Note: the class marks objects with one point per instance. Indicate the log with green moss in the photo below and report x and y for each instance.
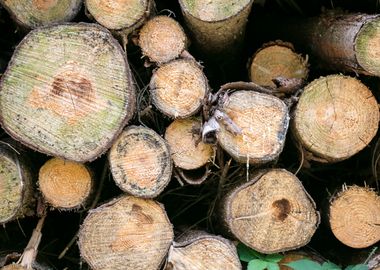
(67, 91)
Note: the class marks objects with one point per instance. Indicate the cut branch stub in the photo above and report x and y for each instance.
(16, 185)
(67, 91)
(36, 13)
(126, 233)
(162, 39)
(217, 26)
(271, 213)
(187, 149)
(263, 120)
(140, 162)
(277, 59)
(354, 217)
(178, 88)
(203, 251)
(336, 117)
(65, 184)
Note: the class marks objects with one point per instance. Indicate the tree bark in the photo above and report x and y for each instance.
(140, 162)
(67, 91)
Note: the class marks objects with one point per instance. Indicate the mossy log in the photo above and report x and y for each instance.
(271, 213)
(16, 184)
(354, 216)
(64, 184)
(126, 233)
(178, 88)
(216, 26)
(274, 60)
(67, 91)
(200, 250)
(140, 162)
(335, 118)
(36, 13)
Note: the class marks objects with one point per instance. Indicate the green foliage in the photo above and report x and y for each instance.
(306, 264)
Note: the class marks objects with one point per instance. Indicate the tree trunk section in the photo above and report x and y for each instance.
(65, 185)
(335, 118)
(178, 88)
(354, 216)
(126, 233)
(140, 162)
(271, 213)
(67, 91)
(36, 13)
(203, 251)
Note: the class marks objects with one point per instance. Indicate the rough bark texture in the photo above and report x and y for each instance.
(162, 39)
(216, 26)
(140, 162)
(16, 185)
(271, 213)
(65, 184)
(354, 217)
(36, 13)
(67, 91)
(335, 118)
(178, 88)
(200, 250)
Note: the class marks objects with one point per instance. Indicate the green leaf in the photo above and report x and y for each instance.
(330, 266)
(247, 254)
(274, 258)
(357, 267)
(272, 266)
(304, 264)
(257, 265)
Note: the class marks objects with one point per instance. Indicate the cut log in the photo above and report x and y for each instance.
(16, 185)
(203, 251)
(354, 216)
(67, 91)
(178, 88)
(126, 233)
(216, 26)
(271, 213)
(36, 13)
(65, 185)
(263, 120)
(140, 162)
(274, 60)
(335, 118)
(162, 39)
(187, 149)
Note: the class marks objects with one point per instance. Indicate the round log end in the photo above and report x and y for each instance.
(126, 233)
(277, 60)
(271, 213)
(140, 162)
(178, 88)
(336, 117)
(354, 217)
(65, 184)
(187, 149)
(162, 39)
(14, 266)
(263, 120)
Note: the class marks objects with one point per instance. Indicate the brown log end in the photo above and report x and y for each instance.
(271, 213)
(14, 266)
(140, 162)
(336, 117)
(354, 216)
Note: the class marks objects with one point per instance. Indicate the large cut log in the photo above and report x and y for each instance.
(67, 91)
(126, 233)
(271, 213)
(140, 162)
(64, 184)
(200, 250)
(36, 13)
(16, 184)
(354, 216)
(335, 118)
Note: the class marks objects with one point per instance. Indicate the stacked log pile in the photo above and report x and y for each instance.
(133, 137)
